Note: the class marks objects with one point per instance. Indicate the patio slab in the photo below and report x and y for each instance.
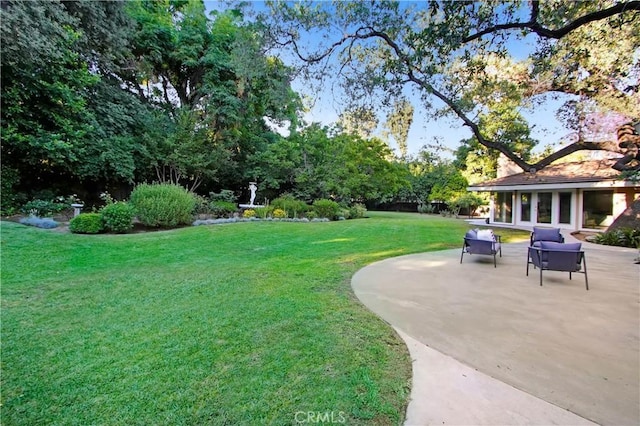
(574, 349)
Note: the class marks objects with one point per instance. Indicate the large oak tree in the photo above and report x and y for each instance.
(462, 55)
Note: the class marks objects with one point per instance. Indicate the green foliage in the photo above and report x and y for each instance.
(222, 208)
(118, 217)
(343, 213)
(399, 123)
(357, 211)
(292, 206)
(343, 166)
(163, 205)
(263, 212)
(86, 223)
(43, 208)
(326, 208)
(201, 205)
(224, 195)
(461, 54)
(10, 198)
(623, 237)
(468, 201)
(426, 208)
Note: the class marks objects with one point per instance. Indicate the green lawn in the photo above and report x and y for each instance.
(235, 324)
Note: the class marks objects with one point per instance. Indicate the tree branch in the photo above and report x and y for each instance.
(535, 26)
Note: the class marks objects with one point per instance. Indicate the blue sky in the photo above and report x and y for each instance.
(425, 130)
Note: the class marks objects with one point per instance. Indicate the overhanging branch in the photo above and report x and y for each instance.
(537, 28)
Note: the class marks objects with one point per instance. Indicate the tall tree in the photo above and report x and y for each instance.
(459, 53)
(359, 121)
(213, 75)
(65, 118)
(399, 122)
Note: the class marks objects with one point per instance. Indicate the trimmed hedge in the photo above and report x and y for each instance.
(86, 223)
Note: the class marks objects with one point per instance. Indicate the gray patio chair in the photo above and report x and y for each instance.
(550, 256)
(473, 245)
(546, 234)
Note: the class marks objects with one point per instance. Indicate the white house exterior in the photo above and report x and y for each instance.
(580, 196)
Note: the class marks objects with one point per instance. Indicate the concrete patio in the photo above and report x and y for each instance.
(491, 346)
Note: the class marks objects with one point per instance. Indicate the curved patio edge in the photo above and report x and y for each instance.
(490, 346)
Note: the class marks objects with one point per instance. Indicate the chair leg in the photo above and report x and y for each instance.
(540, 277)
(569, 274)
(494, 260)
(461, 254)
(586, 280)
(528, 266)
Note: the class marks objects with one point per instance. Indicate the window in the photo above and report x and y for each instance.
(597, 209)
(503, 207)
(525, 207)
(565, 207)
(544, 207)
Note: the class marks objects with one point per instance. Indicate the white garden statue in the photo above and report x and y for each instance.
(253, 188)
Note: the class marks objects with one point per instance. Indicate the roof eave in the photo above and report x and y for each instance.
(603, 184)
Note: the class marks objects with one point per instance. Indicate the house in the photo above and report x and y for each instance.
(579, 196)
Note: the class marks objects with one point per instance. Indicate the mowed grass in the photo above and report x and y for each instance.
(235, 324)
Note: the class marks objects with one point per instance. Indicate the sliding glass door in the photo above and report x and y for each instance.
(544, 207)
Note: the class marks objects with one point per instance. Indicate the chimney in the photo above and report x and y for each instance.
(506, 167)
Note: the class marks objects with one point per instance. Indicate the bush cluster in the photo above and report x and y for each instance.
(622, 237)
(163, 205)
(86, 223)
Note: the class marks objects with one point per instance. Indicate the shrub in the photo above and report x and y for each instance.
(263, 212)
(201, 205)
(326, 208)
(42, 208)
(86, 223)
(623, 237)
(311, 215)
(225, 195)
(163, 205)
(39, 222)
(249, 213)
(292, 206)
(117, 217)
(357, 211)
(344, 214)
(426, 208)
(222, 208)
(279, 213)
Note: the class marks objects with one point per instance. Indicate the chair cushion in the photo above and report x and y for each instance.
(549, 245)
(471, 233)
(486, 235)
(546, 234)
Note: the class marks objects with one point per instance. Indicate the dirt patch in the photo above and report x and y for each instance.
(584, 235)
